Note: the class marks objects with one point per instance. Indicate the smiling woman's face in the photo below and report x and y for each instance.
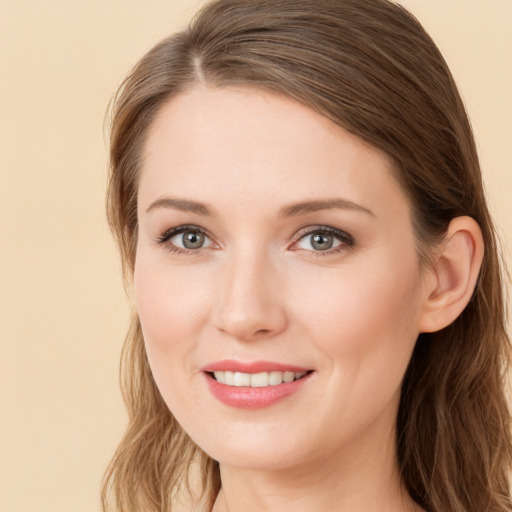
(276, 249)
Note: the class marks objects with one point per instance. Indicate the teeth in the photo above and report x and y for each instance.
(275, 378)
(259, 380)
(288, 377)
(256, 380)
(242, 379)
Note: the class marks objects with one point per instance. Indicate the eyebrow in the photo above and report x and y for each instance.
(293, 210)
(185, 205)
(306, 207)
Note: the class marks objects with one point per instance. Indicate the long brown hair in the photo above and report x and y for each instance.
(369, 66)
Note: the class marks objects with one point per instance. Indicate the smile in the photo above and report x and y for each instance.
(254, 385)
(256, 380)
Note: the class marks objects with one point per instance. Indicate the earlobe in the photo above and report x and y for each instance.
(453, 278)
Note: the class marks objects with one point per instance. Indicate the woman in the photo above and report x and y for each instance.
(319, 319)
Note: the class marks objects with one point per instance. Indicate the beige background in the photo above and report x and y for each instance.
(62, 309)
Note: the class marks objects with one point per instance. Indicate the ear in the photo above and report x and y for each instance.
(452, 280)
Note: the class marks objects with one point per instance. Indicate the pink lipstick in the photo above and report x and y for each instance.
(253, 385)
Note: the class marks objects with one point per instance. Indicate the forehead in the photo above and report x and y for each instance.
(235, 143)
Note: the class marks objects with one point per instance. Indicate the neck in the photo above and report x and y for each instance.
(360, 478)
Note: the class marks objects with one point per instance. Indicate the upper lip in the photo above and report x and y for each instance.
(231, 365)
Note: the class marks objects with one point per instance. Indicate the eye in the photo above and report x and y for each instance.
(323, 239)
(185, 238)
(189, 239)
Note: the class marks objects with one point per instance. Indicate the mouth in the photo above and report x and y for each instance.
(256, 380)
(254, 385)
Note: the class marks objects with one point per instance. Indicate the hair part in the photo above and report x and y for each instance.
(370, 67)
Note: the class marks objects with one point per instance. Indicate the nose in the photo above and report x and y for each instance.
(250, 305)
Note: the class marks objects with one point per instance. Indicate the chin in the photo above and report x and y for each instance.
(255, 447)
(254, 459)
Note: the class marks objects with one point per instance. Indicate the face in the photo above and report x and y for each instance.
(276, 279)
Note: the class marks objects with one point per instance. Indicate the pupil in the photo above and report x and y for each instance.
(193, 239)
(322, 242)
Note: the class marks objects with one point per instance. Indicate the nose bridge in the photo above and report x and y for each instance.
(250, 305)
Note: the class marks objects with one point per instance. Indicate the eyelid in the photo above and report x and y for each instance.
(164, 239)
(347, 240)
(169, 233)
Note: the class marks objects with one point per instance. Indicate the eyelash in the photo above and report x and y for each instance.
(163, 239)
(347, 241)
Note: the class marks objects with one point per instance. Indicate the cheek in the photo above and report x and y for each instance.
(364, 325)
(169, 301)
(171, 307)
(364, 318)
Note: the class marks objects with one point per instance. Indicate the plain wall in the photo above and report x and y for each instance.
(63, 313)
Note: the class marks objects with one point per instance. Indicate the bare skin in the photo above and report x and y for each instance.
(267, 233)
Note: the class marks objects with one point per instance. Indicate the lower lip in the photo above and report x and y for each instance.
(245, 397)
